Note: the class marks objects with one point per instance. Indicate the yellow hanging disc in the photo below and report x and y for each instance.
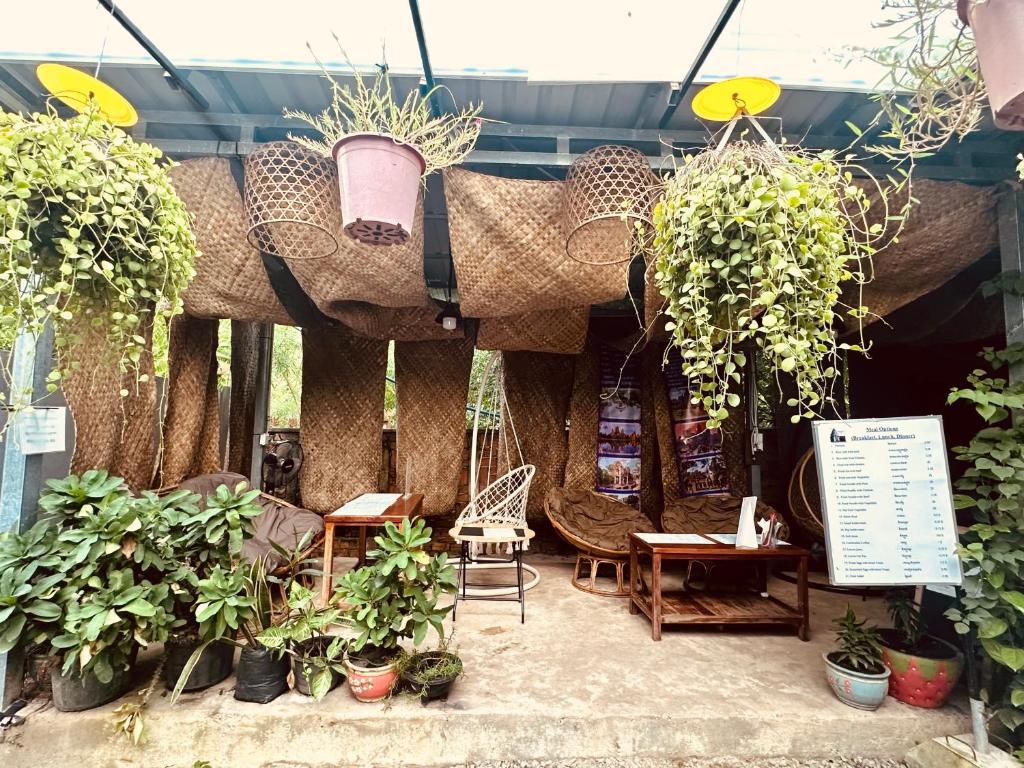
(722, 101)
(75, 88)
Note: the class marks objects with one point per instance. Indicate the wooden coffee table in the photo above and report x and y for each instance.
(701, 607)
(402, 509)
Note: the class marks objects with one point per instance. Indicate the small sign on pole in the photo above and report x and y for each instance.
(41, 430)
(887, 502)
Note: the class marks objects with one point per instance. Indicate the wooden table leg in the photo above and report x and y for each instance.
(633, 569)
(802, 601)
(361, 550)
(328, 579)
(656, 597)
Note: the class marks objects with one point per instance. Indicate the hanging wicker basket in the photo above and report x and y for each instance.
(607, 189)
(291, 201)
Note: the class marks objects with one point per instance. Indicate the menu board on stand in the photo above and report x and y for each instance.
(887, 502)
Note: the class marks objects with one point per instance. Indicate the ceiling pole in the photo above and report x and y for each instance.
(677, 93)
(421, 41)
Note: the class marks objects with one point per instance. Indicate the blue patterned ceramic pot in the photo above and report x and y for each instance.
(862, 690)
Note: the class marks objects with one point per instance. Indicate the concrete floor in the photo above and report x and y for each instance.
(580, 681)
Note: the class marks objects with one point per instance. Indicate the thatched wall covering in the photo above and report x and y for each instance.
(230, 279)
(398, 324)
(244, 353)
(342, 415)
(431, 387)
(560, 331)
(508, 244)
(192, 422)
(584, 405)
(538, 387)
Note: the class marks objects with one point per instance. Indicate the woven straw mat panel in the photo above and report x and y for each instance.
(244, 350)
(538, 387)
(584, 405)
(118, 434)
(431, 387)
(192, 423)
(561, 331)
(655, 382)
(650, 464)
(508, 243)
(230, 280)
(342, 416)
(389, 276)
(951, 227)
(400, 324)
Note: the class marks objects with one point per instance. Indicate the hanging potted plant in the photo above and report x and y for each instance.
(383, 148)
(93, 238)
(753, 244)
(854, 670)
(317, 657)
(393, 598)
(998, 27)
(79, 584)
(924, 668)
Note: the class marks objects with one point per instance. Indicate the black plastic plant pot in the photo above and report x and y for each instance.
(74, 693)
(434, 688)
(314, 646)
(262, 675)
(213, 666)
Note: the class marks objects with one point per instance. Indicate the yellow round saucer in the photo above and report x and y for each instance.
(75, 88)
(723, 100)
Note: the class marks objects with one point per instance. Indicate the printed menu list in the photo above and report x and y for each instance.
(886, 501)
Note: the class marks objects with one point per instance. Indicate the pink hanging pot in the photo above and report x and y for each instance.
(379, 180)
(998, 27)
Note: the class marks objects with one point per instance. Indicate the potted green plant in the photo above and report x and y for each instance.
(998, 27)
(854, 670)
(92, 236)
(317, 657)
(752, 243)
(924, 668)
(431, 674)
(80, 582)
(383, 148)
(393, 598)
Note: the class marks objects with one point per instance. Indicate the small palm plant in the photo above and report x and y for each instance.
(858, 646)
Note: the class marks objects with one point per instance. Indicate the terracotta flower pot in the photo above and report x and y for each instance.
(863, 690)
(922, 681)
(371, 683)
(379, 181)
(998, 27)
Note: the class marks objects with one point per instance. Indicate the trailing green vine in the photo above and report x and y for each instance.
(93, 236)
(752, 244)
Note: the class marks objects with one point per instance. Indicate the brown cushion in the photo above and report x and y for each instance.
(594, 519)
(279, 523)
(716, 513)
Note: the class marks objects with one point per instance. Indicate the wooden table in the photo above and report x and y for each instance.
(701, 607)
(402, 509)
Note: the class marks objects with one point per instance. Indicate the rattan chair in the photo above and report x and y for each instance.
(598, 527)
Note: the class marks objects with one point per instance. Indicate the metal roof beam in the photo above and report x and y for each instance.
(709, 43)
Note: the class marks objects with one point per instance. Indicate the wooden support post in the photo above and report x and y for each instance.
(262, 402)
(20, 475)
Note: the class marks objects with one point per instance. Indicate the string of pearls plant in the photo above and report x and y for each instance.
(752, 246)
(92, 237)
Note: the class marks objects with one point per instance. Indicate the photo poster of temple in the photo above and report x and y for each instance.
(699, 457)
(618, 427)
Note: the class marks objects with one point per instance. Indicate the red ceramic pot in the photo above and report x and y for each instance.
(922, 681)
(998, 27)
(371, 683)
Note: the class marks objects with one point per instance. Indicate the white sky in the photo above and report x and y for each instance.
(791, 41)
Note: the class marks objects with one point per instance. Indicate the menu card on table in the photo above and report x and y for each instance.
(368, 505)
(887, 502)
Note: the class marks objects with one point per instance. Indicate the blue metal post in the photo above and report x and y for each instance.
(21, 475)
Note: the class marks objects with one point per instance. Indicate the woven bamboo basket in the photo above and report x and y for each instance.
(607, 190)
(508, 244)
(342, 416)
(560, 331)
(431, 388)
(192, 421)
(398, 324)
(805, 498)
(538, 386)
(230, 280)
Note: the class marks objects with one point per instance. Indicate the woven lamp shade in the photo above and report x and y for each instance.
(606, 190)
(291, 201)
